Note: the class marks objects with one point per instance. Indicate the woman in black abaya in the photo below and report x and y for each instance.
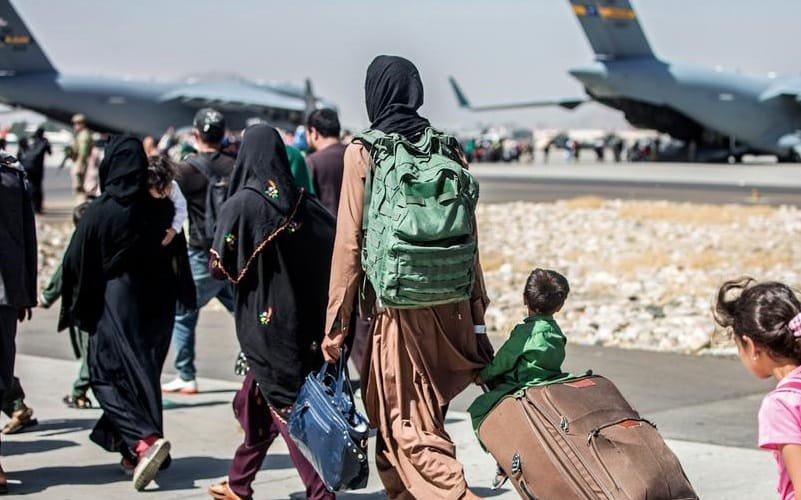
(274, 242)
(121, 285)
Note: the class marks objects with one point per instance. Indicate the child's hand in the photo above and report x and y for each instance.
(168, 237)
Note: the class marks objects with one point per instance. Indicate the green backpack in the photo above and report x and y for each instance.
(419, 242)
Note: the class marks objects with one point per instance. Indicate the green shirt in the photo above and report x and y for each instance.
(299, 170)
(532, 355)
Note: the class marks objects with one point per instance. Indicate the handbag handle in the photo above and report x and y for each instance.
(341, 384)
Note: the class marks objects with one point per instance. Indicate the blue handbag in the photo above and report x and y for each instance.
(329, 431)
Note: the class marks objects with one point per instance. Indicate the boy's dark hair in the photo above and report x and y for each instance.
(545, 291)
(160, 172)
(761, 312)
(325, 121)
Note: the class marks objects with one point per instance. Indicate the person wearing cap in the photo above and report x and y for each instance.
(81, 151)
(193, 178)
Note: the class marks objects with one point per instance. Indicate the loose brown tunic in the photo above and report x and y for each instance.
(420, 359)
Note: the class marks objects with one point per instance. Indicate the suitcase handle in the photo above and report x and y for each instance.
(595, 432)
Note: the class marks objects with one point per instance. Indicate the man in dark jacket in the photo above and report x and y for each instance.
(17, 266)
(193, 179)
(327, 162)
(33, 161)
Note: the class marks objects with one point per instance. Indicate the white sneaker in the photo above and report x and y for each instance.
(180, 386)
(149, 463)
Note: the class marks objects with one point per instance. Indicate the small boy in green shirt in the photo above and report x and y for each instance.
(534, 352)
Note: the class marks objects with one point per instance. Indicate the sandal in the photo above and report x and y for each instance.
(77, 402)
(499, 479)
(222, 491)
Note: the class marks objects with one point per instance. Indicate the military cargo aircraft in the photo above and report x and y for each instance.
(29, 80)
(706, 109)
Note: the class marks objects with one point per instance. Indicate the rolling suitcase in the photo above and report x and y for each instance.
(580, 439)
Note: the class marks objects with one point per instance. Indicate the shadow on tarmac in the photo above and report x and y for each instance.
(38, 480)
(172, 405)
(11, 448)
(57, 427)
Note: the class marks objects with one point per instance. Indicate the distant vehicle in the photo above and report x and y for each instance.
(29, 80)
(706, 109)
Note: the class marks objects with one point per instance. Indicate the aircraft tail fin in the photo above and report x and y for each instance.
(612, 28)
(19, 51)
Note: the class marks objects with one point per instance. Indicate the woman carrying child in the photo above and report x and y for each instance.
(121, 284)
(765, 321)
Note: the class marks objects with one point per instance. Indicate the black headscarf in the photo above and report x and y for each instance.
(262, 165)
(275, 244)
(262, 173)
(393, 93)
(123, 171)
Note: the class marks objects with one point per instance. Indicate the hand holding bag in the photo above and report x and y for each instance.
(329, 431)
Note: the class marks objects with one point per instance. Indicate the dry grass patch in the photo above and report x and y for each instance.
(767, 260)
(491, 260)
(585, 202)
(698, 214)
(643, 260)
(704, 259)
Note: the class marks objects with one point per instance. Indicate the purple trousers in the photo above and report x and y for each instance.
(261, 427)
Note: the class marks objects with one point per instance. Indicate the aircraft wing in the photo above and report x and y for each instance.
(461, 98)
(234, 96)
(790, 91)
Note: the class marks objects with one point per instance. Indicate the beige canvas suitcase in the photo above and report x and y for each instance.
(581, 439)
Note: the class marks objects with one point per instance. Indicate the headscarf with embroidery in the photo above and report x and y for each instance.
(262, 167)
(274, 243)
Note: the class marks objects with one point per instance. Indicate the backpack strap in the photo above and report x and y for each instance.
(202, 164)
(375, 142)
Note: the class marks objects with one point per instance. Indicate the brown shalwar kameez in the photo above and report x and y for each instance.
(419, 360)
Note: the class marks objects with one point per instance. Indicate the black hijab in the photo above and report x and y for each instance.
(393, 93)
(262, 201)
(263, 166)
(123, 171)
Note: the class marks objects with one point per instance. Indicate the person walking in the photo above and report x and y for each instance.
(33, 162)
(274, 243)
(120, 284)
(80, 153)
(204, 179)
(326, 162)
(18, 269)
(420, 358)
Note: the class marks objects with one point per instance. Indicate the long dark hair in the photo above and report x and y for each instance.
(761, 312)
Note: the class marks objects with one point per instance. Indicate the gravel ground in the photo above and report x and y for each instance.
(642, 274)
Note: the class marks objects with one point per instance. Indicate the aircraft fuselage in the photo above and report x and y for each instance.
(120, 105)
(750, 109)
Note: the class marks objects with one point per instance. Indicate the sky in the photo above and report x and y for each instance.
(498, 50)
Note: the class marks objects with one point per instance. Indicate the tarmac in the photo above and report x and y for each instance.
(705, 407)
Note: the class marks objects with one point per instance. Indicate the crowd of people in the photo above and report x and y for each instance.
(279, 240)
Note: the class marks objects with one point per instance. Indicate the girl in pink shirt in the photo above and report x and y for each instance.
(765, 321)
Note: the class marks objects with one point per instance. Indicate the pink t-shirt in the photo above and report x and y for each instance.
(779, 424)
